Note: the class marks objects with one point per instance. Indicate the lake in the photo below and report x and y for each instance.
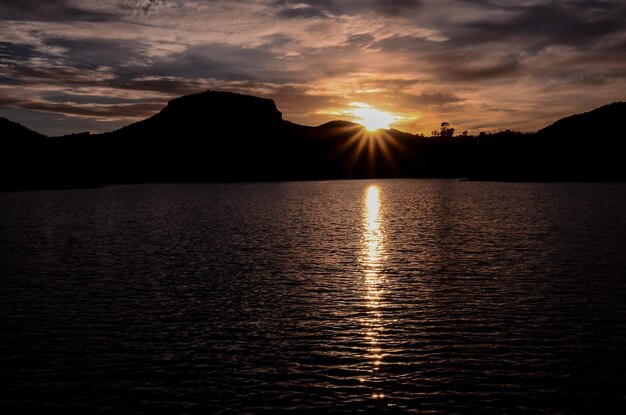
(389, 296)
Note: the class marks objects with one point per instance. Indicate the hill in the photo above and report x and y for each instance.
(603, 121)
(17, 133)
(31, 160)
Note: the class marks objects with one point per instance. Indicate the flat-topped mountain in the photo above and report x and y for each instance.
(207, 113)
(223, 136)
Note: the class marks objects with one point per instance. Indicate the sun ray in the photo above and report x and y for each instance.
(372, 150)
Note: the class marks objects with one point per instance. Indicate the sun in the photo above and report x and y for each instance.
(371, 118)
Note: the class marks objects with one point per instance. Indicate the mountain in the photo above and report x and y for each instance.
(222, 136)
(603, 121)
(201, 115)
(201, 137)
(17, 133)
(33, 161)
(585, 146)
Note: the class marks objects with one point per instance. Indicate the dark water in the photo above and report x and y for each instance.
(323, 297)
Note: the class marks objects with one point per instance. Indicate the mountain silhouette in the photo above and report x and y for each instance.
(603, 121)
(584, 146)
(202, 137)
(223, 136)
(34, 161)
(201, 115)
(17, 133)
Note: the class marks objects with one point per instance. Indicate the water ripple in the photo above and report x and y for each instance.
(400, 296)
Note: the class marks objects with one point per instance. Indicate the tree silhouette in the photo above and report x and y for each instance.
(446, 130)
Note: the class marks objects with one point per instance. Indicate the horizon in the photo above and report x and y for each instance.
(367, 124)
(69, 66)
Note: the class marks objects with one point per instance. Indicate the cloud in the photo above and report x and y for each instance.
(475, 66)
(433, 99)
(108, 111)
(50, 11)
(458, 60)
(325, 8)
(570, 23)
(398, 7)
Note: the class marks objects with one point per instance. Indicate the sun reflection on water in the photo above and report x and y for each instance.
(372, 259)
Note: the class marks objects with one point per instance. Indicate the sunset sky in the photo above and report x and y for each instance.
(85, 65)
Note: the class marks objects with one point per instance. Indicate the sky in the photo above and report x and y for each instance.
(68, 66)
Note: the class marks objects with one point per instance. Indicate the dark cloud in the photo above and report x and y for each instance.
(360, 40)
(432, 99)
(405, 44)
(148, 5)
(220, 61)
(11, 52)
(303, 13)
(36, 73)
(578, 78)
(91, 53)
(398, 7)
(232, 63)
(10, 101)
(167, 86)
(473, 66)
(491, 71)
(570, 23)
(392, 84)
(126, 111)
(90, 62)
(276, 41)
(50, 11)
(324, 8)
(83, 99)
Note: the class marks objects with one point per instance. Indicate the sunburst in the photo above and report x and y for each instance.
(373, 146)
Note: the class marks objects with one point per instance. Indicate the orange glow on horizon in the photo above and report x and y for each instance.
(371, 118)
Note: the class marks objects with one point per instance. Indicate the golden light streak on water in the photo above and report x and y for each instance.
(372, 260)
